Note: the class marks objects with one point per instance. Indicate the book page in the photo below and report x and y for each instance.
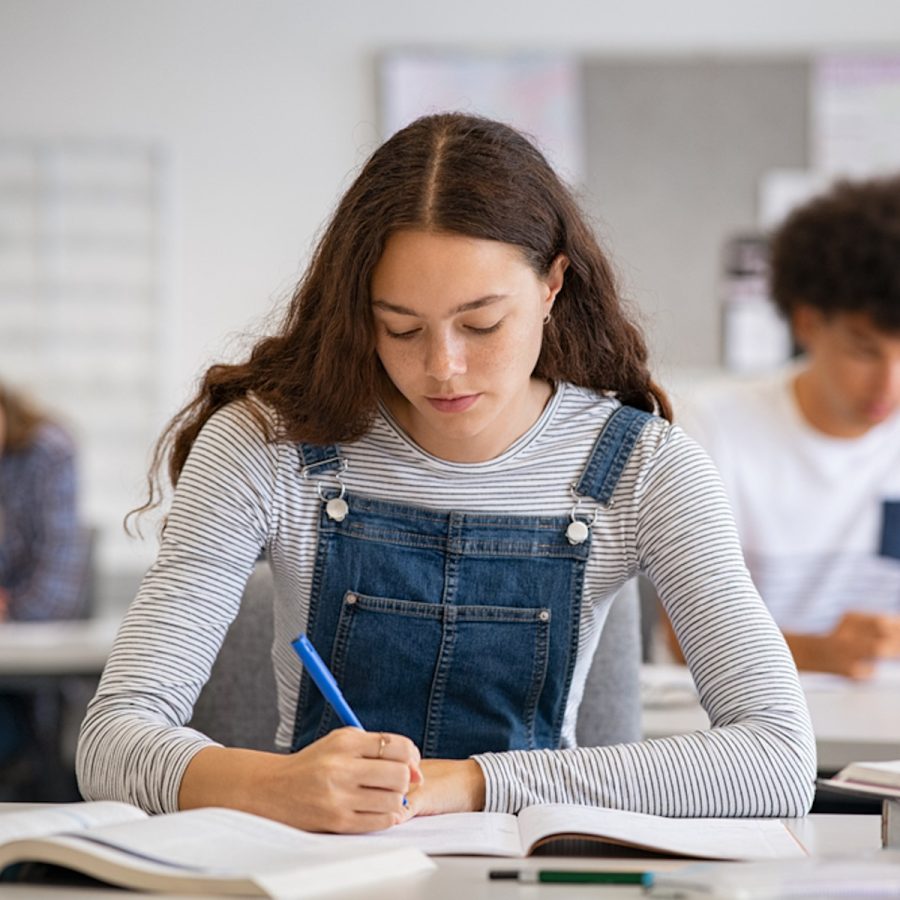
(65, 818)
(742, 839)
(857, 788)
(297, 875)
(881, 774)
(220, 841)
(463, 834)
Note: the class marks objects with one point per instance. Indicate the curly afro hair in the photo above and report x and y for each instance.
(841, 253)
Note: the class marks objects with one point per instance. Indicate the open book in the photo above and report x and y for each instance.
(201, 851)
(562, 829)
(879, 778)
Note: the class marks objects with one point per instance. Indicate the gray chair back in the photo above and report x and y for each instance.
(610, 711)
(238, 705)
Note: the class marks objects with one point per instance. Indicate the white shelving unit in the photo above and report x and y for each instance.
(85, 305)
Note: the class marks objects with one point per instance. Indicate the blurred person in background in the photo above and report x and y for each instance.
(43, 554)
(810, 456)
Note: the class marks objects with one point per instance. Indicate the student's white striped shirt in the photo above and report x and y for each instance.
(669, 518)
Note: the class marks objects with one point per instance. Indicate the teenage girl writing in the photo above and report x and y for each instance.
(456, 366)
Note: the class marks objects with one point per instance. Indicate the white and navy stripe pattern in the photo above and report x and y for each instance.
(669, 517)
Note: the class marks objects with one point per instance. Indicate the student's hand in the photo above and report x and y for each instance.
(450, 785)
(853, 646)
(349, 781)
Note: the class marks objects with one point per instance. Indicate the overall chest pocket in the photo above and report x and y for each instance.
(455, 679)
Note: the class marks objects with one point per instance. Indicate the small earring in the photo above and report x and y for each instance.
(547, 318)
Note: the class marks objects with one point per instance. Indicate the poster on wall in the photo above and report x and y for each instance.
(856, 114)
(539, 95)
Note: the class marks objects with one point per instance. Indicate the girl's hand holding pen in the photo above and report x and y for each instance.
(349, 781)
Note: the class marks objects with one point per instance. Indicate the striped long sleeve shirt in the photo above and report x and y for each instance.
(670, 519)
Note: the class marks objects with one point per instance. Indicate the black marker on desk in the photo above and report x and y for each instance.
(569, 876)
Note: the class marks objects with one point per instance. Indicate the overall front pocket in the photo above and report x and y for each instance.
(457, 680)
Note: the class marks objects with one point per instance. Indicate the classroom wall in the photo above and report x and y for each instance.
(268, 106)
(676, 150)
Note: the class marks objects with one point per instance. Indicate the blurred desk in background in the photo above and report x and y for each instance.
(36, 649)
(852, 720)
(54, 666)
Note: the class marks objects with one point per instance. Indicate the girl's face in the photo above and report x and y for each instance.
(458, 326)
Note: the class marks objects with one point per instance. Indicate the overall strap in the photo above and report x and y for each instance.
(610, 453)
(316, 459)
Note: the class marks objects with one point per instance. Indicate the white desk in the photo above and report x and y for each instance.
(467, 877)
(852, 720)
(78, 647)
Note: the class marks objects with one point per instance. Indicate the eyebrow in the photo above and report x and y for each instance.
(463, 307)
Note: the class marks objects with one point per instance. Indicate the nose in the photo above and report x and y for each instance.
(445, 356)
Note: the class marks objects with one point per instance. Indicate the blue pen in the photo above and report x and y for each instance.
(324, 681)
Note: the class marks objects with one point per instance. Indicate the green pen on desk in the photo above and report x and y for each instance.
(567, 876)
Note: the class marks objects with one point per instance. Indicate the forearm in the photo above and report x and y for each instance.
(230, 777)
(740, 770)
(449, 785)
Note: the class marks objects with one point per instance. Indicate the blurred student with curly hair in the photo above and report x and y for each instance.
(811, 456)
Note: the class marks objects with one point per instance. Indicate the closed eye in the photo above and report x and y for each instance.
(489, 330)
(402, 335)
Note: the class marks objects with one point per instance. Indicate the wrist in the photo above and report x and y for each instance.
(225, 776)
(475, 785)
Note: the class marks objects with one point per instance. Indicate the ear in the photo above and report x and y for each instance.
(554, 279)
(806, 322)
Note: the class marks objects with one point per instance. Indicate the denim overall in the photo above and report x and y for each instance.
(458, 630)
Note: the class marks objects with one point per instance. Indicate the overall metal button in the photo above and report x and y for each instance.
(577, 532)
(337, 509)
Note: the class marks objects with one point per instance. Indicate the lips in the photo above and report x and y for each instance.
(457, 404)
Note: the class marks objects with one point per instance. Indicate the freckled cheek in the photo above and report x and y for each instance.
(398, 364)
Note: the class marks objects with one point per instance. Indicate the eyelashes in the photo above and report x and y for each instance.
(401, 335)
(489, 330)
(409, 335)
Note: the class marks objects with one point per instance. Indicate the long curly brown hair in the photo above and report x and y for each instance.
(453, 173)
